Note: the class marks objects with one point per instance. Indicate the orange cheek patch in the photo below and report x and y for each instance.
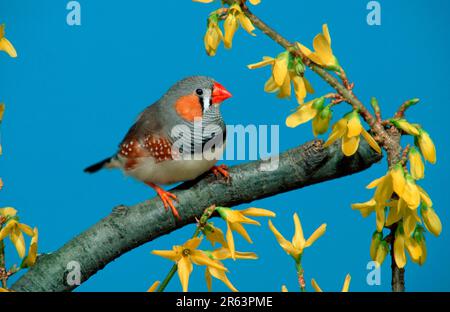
(188, 107)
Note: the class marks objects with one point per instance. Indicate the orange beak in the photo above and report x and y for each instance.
(219, 94)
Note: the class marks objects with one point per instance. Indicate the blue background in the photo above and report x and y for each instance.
(74, 91)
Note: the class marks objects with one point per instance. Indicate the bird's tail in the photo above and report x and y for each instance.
(105, 163)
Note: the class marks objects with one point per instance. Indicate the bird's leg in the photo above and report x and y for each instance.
(167, 198)
(221, 170)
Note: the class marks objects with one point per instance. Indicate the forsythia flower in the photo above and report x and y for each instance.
(213, 36)
(421, 137)
(235, 219)
(314, 110)
(377, 238)
(30, 259)
(184, 256)
(426, 146)
(153, 287)
(420, 239)
(431, 219)
(222, 254)
(409, 193)
(14, 230)
(349, 130)
(284, 71)
(416, 164)
(231, 24)
(345, 287)
(323, 54)
(405, 126)
(298, 244)
(381, 253)
(214, 235)
(401, 242)
(399, 210)
(5, 45)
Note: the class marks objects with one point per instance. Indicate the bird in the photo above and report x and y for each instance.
(161, 147)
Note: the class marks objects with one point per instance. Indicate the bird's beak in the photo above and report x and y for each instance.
(219, 94)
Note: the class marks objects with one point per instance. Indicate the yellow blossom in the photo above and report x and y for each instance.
(405, 126)
(213, 36)
(295, 247)
(404, 209)
(14, 230)
(222, 254)
(396, 181)
(30, 259)
(153, 287)
(282, 76)
(225, 253)
(399, 210)
(401, 242)
(184, 256)
(416, 164)
(420, 239)
(214, 235)
(349, 129)
(321, 122)
(314, 110)
(5, 44)
(211, 272)
(370, 206)
(426, 146)
(345, 287)
(382, 252)
(284, 288)
(377, 237)
(323, 54)
(231, 24)
(431, 220)
(235, 219)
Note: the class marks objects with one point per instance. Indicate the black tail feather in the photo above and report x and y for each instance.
(98, 166)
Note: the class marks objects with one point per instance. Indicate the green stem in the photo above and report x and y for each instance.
(300, 275)
(202, 222)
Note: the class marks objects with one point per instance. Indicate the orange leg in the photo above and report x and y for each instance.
(221, 170)
(167, 198)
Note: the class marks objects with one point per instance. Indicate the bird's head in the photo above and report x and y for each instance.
(195, 96)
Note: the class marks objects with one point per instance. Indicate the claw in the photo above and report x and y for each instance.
(221, 170)
(167, 199)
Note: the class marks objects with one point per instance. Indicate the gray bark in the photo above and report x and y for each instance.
(129, 227)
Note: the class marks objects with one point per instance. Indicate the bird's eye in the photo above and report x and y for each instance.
(199, 91)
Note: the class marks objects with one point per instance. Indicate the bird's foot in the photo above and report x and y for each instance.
(167, 199)
(221, 170)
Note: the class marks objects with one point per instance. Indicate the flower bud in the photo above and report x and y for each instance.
(431, 220)
(377, 237)
(382, 252)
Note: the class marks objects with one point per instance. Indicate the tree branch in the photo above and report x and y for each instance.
(129, 227)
